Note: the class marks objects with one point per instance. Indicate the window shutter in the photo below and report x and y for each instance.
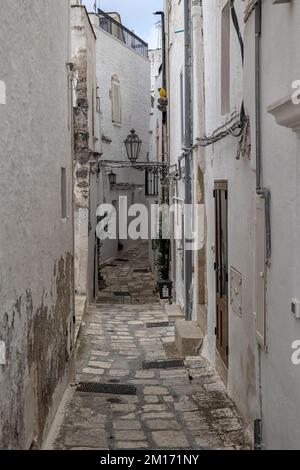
(260, 271)
(116, 102)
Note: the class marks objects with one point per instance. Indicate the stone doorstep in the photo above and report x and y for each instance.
(188, 338)
(173, 312)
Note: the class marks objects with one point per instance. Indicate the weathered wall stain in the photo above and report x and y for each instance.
(46, 345)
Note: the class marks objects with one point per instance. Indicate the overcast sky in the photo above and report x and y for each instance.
(136, 15)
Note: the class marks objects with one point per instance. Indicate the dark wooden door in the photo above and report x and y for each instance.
(221, 268)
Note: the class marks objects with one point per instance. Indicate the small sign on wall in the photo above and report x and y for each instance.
(2, 92)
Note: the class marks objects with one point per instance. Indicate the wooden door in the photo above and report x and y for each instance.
(221, 268)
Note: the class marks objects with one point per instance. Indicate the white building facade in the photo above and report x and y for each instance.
(123, 76)
(245, 279)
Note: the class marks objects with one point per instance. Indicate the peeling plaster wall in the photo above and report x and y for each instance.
(36, 244)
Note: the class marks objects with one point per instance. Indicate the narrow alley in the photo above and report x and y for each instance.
(133, 391)
(150, 228)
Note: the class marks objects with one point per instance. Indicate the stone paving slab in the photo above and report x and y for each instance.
(180, 408)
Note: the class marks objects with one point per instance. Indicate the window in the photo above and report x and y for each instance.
(93, 112)
(2, 92)
(182, 110)
(98, 102)
(63, 193)
(225, 59)
(116, 100)
(151, 183)
(158, 153)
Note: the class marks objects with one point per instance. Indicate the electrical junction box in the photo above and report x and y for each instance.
(236, 285)
(295, 308)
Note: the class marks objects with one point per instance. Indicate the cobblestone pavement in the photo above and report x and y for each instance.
(185, 407)
(129, 274)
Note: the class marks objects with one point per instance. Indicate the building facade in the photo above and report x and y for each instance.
(230, 103)
(123, 76)
(87, 144)
(36, 233)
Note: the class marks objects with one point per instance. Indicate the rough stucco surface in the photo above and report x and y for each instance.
(86, 142)
(36, 245)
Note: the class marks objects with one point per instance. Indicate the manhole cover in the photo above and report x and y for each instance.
(113, 389)
(159, 324)
(122, 294)
(141, 270)
(163, 364)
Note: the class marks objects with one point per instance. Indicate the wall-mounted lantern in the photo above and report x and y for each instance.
(133, 146)
(112, 178)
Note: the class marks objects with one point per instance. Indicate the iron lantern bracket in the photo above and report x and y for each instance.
(157, 168)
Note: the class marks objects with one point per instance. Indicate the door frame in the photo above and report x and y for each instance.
(221, 298)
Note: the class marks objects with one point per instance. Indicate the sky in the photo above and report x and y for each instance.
(137, 15)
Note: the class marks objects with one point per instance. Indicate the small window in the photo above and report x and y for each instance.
(63, 193)
(2, 92)
(225, 60)
(116, 100)
(93, 112)
(151, 183)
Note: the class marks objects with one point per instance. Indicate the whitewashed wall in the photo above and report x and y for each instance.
(175, 44)
(280, 173)
(221, 164)
(36, 244)
(133, 71)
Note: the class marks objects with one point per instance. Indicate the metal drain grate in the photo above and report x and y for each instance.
(163, 364)
(122, 294)
(159, 324)
(113, 389)
(114, 400)
(141, 270)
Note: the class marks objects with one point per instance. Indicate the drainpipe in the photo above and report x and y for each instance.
(164, 145)
(164, 68)
(262, 192)
(188, 145)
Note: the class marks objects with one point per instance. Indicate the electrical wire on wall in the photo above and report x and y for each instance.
(236, 123)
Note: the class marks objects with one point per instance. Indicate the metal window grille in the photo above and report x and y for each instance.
(151, 183)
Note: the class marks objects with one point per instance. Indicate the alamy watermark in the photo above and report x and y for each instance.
(296, 354)
(158, 221)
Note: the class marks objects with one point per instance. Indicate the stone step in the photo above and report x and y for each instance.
(174, 312)
(188, 338)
